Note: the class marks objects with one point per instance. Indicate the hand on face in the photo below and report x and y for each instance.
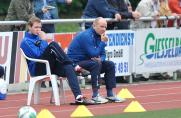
(42, 35)
(104, 37)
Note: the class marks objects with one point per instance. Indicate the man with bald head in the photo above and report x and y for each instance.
(87, 50)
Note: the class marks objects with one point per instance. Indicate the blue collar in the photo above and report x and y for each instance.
(95, 33)
(32, 36)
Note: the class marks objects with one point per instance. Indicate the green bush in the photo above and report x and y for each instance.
(4, 7)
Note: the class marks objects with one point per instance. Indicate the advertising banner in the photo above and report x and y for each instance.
(158, 50)
(6, 39)
(119, 49)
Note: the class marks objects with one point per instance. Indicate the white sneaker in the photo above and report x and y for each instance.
(116, 99)
(81, 100)
(99, 99)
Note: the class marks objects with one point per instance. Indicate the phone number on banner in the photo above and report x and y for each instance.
(121, 68)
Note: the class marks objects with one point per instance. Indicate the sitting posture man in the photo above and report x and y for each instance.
(88, 51)
(34, 45)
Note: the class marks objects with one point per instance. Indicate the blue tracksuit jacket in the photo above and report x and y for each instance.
(98, 8)
(28, 45)
(86, 45)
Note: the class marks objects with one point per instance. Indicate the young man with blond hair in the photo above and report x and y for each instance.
(35, 45)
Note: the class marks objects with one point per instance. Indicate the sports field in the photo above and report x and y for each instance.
(144, 100)
(171, 113)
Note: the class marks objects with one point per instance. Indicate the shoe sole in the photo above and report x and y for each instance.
(116, 101)
(100, 102)
(79, 103)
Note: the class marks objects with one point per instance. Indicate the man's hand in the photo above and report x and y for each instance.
(68, 1)
(104, 38)
(118, 17)
(42, 35)
(44, 9)
(136, 14)
(157, 15)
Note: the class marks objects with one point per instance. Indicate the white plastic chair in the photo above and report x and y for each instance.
(35, 83)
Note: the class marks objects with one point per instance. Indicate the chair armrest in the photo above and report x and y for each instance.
(37, 60)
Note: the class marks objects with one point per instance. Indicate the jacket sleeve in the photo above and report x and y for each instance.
(38, 5)
(123, 10)
(61, 1)
(21, 7)
(33, 50)
(146, 9)
(88, 45)
(103, 9)
(103, 55)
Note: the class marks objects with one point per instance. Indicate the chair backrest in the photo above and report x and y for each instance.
(34, 82)
(37, 60)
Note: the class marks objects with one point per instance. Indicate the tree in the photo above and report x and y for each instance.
(4, 4)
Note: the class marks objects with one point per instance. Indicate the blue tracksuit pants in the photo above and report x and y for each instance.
(95, 68)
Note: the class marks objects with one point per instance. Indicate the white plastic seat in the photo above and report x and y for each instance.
(35, 83)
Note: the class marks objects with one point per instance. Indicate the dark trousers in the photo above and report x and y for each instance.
(95, 68)
(1, 71)
(60, 65)
(119, 25)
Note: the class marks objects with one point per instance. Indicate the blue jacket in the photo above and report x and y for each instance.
(31, 49)
(86, 45)
(122, 7)
(38, 5)
(98, 8)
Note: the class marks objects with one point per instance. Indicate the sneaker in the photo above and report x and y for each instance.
(80, 100)
(115, 99)
(99, 99)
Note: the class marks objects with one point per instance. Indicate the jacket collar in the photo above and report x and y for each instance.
(32, 36)
(95, 33)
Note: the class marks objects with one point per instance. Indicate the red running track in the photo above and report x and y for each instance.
(152, 96)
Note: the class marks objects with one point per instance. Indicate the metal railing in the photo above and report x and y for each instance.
(83, 21)
(87, 20)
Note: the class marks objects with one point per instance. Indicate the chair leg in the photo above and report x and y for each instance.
(51, 98)
(30, 91)
(82, 81)
(55, 89)
(62, 92)
(37, 92)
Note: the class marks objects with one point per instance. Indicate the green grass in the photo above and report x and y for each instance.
(67, 27)
(172, 113)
